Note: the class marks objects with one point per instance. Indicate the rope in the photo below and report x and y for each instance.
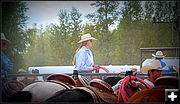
(83, 81)
(122, 93)
(103, 68)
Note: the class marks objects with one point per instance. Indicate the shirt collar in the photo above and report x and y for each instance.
(85, 48)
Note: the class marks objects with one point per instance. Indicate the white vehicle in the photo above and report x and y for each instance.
(69, 69)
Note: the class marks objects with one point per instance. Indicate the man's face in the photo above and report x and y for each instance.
(3, 44)
(156, 74)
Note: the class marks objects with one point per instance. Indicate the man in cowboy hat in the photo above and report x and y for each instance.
(153, 70)
(6, 64)
(159, 56)
(21, 78)
(83, 59)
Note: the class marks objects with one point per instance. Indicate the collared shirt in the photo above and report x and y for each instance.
(163, 64)
(84, 59)
(6, 65)
(149, 82)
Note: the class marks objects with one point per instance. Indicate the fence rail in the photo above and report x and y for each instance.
(140, 75)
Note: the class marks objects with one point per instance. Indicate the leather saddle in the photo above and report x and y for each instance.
(100, 91)
(62, 78)
(10, 87)
(103, 90)
(168, 82)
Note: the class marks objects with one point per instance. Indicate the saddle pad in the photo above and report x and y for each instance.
(41, 91)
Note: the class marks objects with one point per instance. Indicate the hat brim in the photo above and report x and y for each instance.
(91, 38)
(145, 69)
(6, 40)
(157, 56)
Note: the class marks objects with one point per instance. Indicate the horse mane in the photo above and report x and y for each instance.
(112, 80)
(20, 96)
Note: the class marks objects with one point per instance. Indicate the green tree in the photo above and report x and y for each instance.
(106, 15)
(64, 37)
(13, 22)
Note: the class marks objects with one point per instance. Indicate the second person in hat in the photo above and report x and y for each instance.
(83, 59)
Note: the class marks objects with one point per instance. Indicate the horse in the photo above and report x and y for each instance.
(112, 80)
(101, 92)
(98, 91)
(155, 95)
(41, 91)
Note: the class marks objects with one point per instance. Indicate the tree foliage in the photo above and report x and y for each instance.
(13, 22)
(57, 44)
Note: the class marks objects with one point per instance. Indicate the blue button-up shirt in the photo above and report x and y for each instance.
(163, 64)
(84, 59)
(6, 66)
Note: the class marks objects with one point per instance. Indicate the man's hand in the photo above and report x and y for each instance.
(96, 67)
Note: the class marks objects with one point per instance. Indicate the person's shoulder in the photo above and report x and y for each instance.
(82, 50)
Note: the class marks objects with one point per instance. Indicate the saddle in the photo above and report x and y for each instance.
(168, 82)
(100, 91)
(103, 91)
(63, 79)
(89, 90)
(148, 95)
(10, 87)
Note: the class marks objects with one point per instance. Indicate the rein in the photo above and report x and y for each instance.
(103, 68)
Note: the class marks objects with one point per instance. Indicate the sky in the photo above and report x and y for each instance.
(46, 12)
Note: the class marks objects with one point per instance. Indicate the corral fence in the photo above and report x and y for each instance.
(99, 75)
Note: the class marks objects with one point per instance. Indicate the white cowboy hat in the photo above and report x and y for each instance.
(158, 54)
(86, 37)
(152, 65)
(21, 70)
(4, 38)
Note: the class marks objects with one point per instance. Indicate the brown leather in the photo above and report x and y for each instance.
(167, 82)
(91, 92)
(67, 86)
(12, 86)
(102, 85)
(148, 95)
(103, 90)
(62, 78)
